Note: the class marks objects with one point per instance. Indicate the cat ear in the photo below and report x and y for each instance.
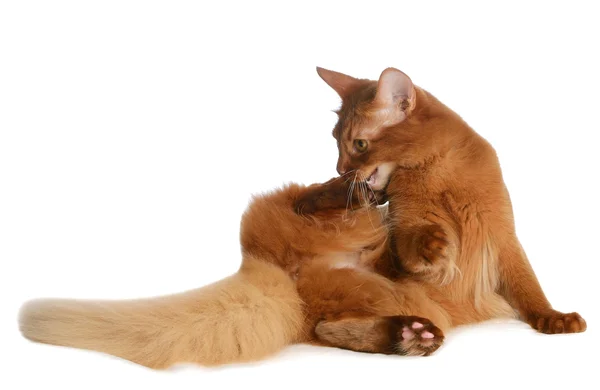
(394, 86)
(343, 84)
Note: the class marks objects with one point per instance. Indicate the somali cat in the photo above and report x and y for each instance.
(451, 219)
(303, 278)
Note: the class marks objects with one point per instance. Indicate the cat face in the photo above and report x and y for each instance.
(369, 134)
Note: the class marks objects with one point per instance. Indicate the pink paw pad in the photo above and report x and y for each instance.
(407, 334)
(417, 325)
(427, 335)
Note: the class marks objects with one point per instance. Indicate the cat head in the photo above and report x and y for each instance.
(380, 124)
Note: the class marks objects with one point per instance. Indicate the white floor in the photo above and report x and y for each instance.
(490, 356)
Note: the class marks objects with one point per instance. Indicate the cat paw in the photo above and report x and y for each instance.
(332, 194)
(417, 336)
(306, 204)
(433, 244)
(337, 193)
(556, 322)
(430, 254)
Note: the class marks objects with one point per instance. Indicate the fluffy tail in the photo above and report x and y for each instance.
(244, 317)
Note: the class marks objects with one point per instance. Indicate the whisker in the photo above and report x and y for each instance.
(347, 174)
(348, 197)
(367, 204)
(350, 193)
(363, 192)
(366, 189)
(373, 192)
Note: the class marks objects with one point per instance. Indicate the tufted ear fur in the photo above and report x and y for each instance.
(343, 84)
(393, 88)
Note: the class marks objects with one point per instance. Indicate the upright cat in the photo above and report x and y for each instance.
(452, 225)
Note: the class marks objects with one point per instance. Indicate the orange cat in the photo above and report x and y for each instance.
(451, 217)
(317, 267)
(293, 278)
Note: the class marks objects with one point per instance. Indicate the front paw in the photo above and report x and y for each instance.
(430, 254)
(556, 322)
(432, 245)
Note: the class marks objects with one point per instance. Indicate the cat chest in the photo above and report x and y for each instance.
(340, 260)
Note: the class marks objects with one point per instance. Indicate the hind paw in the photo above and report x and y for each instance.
(417, 336)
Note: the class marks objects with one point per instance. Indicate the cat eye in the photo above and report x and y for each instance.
(361, 145)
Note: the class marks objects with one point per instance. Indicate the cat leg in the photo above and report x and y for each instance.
(521, 288)
(403, 335)
(366, 312)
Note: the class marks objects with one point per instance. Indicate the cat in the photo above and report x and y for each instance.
(323, 267)
(451, 220)
(298, 283)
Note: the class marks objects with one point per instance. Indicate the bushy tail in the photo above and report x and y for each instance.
(247, 316)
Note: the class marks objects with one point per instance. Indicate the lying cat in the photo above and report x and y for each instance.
(293, 286)
(451, 218)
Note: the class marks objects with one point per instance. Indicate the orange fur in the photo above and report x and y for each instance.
(450, 213)
(247, 316)
(321, 266)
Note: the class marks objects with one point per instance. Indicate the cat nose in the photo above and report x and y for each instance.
(342, 166)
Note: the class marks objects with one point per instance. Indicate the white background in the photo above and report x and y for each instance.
(132, 135)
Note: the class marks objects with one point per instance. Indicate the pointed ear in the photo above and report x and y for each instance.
(394, 87)
(343, 84)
